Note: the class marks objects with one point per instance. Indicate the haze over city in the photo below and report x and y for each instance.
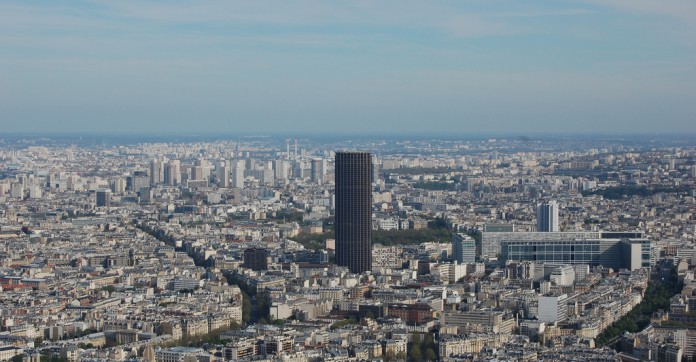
(346, 66)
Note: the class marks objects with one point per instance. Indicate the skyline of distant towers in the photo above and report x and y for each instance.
(353, 217)
(547, 217)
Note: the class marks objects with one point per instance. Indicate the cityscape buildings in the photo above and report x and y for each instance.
(347, 181)
(101, 261)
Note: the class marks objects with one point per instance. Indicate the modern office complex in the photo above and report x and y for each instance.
(463, 248)
(547, 217)
(617, 253)
(613, 249)
(353, 210)
(256, 258)
(491, 241)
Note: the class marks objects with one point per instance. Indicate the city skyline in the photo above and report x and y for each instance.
(549, 67)
(347, 181)
(236, 249)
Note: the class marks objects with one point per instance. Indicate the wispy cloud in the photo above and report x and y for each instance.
(683, 10)
(678, 17)
(545, 13)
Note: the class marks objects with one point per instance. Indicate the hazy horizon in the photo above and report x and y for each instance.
(348, 67)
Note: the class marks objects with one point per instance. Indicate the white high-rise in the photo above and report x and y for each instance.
(223, 174)
(553, 308)
(281, 168)
(547, 217)
(172, 173)
(237, 179)
(317, 170)
(156, 172)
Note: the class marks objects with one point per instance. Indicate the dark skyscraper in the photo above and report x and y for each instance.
(103, 198)
(354, 210)
(256, 259)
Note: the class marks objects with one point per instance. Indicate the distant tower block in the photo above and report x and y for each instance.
(547, 217)
(103, 198)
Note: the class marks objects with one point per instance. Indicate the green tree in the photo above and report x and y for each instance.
(430, 355)
(428, 341)
(246, 307)
(263, 310)
(414, 353)
(343, 323)
(429, 346)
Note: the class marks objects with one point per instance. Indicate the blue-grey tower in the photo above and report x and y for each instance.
(353, 176)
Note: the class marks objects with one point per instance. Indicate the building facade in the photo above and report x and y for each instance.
(256, 259)
(354, 210)
(463, 248)
(630, 254)
(547, 217)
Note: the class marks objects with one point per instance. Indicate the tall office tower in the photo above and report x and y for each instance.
(139, 180)
(17, 190)
(354, 210)
(103, 198)
(200, 170)
(281, 168)
(223, 174)
(250, 164)
(298, 169)
(237, 179)
(167, 174)
(267, 176)
(196, 173)
(51, 180)
(118, 185)
(35, 192)
(156, 172)
(375, 169)
(172, 173)
(463, 248)
(547, 217)
(317, 170)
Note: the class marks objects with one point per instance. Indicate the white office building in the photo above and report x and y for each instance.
(547, 217)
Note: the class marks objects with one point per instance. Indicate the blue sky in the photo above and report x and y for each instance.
(348, 66)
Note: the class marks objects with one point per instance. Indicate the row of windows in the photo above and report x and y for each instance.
(553, 257)
(553, 248)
